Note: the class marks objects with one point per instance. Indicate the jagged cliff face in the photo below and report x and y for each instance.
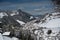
(57, 5)
(57, 2)
(17, 17)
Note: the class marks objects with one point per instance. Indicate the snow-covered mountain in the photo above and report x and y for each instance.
(49, 21)
(45, 28)
(2, 14)
(8, 17)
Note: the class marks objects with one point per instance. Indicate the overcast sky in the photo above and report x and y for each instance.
(34, 7)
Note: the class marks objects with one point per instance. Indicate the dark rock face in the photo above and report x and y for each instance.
(56, 1)
(49, 32)
(23, 16)
(57, 5)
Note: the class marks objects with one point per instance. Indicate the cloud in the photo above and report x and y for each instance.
(38, 10)
(34, 8)
(20, 1)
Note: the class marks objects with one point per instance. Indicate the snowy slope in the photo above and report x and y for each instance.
(2, 14)
(31, 17)
(51, 21)
(14, 13)
(7, 38)
(21, 22)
